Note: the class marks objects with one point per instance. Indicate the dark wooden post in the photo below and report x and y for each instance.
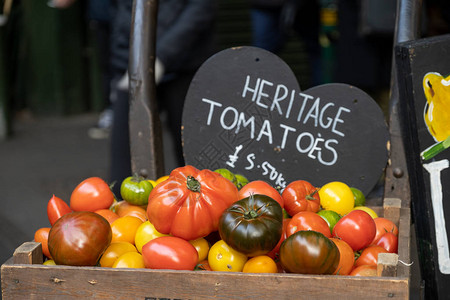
(145, 126)
(397, 179)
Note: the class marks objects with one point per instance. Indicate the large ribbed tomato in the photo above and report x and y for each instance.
(190, 202)
(253, 225)
(309, 252)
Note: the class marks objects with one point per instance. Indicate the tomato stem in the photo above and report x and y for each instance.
(193, 184)
(311, 196)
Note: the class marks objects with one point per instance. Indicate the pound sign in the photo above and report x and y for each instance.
(234, 157)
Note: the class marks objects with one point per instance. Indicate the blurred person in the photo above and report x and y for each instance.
(273, 20)
(184, 41)
(98, 16)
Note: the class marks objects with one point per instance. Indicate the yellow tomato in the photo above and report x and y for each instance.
(145, 233)
(222, 257)
(124, 229)
(337, 196)
(161, 179)
(260, 264)
(113, 252)
(129, 260)
(368, 210)
(49, 262)
(153, 182)
(202, 247)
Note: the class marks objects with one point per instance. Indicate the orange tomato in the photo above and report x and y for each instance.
(124, 229)
(108, 214)
(123, 208)
(202, 247)
(113, 252)
(41, 236)
(347, 257)
(260, 264)
(129, 260)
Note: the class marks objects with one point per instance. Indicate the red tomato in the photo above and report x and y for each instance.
(357, 228)
(388, 241)
(347, 257)
(300, 195)
(190, 202)
(369, 256)
(41, 236)
(91, 194)
(365, 270)
(275, 253)
(170, 252)
(56, 208)
(307, 220)
(263, 188)
(384, 225)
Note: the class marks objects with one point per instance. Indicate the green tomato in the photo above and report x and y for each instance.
(360, 199)
(330, 216)
(135, 190)
(241, 180)
(227, 174)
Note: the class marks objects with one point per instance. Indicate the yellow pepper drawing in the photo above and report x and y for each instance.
(437, 112)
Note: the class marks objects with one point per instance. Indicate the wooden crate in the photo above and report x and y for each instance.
(24, 276)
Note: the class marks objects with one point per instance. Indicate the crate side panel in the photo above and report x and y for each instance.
(28, 281)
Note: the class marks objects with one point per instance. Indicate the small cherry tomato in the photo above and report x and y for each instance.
(113, 252)
(222, 257)
(260, 264)
(202, 247)
(365, 270)
(262, 188)
(384, 225)
(124, 229)
(337, 196)
(307, 220)
(56, 208)
(129, 260)
(347, 257)
(41, 236)
(369, 256)
(91, 194)
(169, 252)
(300, 195)
(388, 241)
(357, 228)
(145, 233)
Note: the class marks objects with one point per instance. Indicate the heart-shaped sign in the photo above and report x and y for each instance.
(244, 111)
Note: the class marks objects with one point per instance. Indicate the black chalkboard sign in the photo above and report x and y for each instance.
(244, 111)
(423, 70)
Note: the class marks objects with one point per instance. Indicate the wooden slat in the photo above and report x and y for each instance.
(64, 282)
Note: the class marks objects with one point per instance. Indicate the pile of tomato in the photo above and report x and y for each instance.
(219, 221)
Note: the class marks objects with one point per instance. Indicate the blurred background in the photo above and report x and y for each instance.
(52, 87)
